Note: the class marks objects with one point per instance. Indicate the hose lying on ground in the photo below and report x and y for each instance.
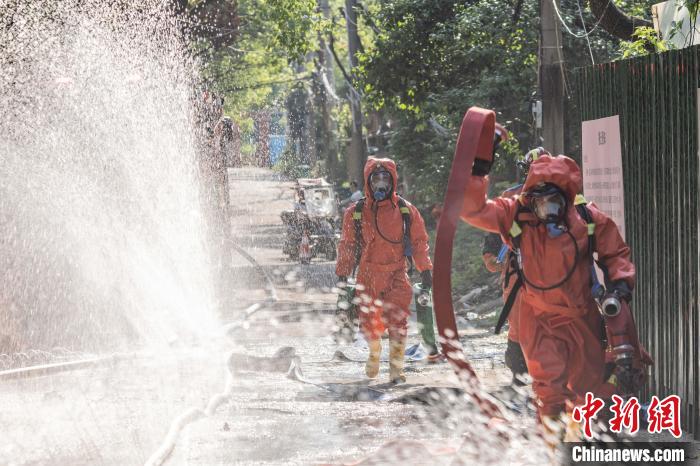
(270, 289)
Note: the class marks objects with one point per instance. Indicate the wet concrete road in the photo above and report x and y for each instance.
(125, 411)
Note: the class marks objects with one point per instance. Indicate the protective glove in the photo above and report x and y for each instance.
(481, 167)
(426, 278)
(622, 290)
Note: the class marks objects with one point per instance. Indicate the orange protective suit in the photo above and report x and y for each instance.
(560, 329)
(382, 268)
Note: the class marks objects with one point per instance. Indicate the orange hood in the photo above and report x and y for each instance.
(561, 171)
(390, 165)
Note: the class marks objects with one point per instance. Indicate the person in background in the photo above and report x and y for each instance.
(383, 236)
(355, 196)
(498, 257)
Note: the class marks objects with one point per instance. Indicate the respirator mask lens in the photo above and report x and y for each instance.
(380, 182)
(549, 208)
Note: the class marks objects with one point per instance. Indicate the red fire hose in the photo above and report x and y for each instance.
(475, 140)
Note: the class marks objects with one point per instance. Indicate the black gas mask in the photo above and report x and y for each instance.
(381, 183)
(548, 203)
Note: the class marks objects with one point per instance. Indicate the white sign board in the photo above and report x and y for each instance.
(602, 167)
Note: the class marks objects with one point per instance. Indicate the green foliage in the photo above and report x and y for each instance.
(468, 270)
(692, 6)
(261, 67)
(431, 60)
(436, 56)
(647, 40)
(639, 8)
(507, 154)
(290, 165)
(288, 25)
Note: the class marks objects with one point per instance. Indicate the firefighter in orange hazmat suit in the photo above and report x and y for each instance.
(491, 252)
(560, 326)
(497, 258)
(381, 234)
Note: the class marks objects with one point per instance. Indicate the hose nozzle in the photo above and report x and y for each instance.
(423, 299)
(610, 305)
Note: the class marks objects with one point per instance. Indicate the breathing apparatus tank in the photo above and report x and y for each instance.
(346, 313)
(423, 297)
(424, 317)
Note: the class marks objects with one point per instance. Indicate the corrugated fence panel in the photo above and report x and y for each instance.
(656, 98)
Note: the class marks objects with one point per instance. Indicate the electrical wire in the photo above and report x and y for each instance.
(583, 22)
(566, 27)
(561, 60)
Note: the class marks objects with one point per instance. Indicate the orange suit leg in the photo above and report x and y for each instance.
(564, 355)
(385, 305)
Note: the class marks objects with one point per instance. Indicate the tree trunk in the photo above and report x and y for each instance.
(615, 21)
(356, 155)
(324, 81)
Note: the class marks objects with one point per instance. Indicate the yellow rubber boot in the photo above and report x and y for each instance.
(574, 431)
(558, 429)
(375, 351)
(553, 430)
(396, 357)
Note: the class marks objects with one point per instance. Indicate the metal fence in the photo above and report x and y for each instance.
(656, 98)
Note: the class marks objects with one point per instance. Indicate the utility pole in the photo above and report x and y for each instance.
(551, 78)
(356, 155)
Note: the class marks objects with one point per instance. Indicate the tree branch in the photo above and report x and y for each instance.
(368, 17)
(331, 47)
(516, 12)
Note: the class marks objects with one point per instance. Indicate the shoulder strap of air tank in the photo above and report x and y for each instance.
(580, 203)
(405, 214)
(505, 311)
(515, 229)
(513, 267)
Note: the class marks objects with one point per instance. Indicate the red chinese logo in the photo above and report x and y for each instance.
(665, 415)
(587, 412)
(625, 414)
